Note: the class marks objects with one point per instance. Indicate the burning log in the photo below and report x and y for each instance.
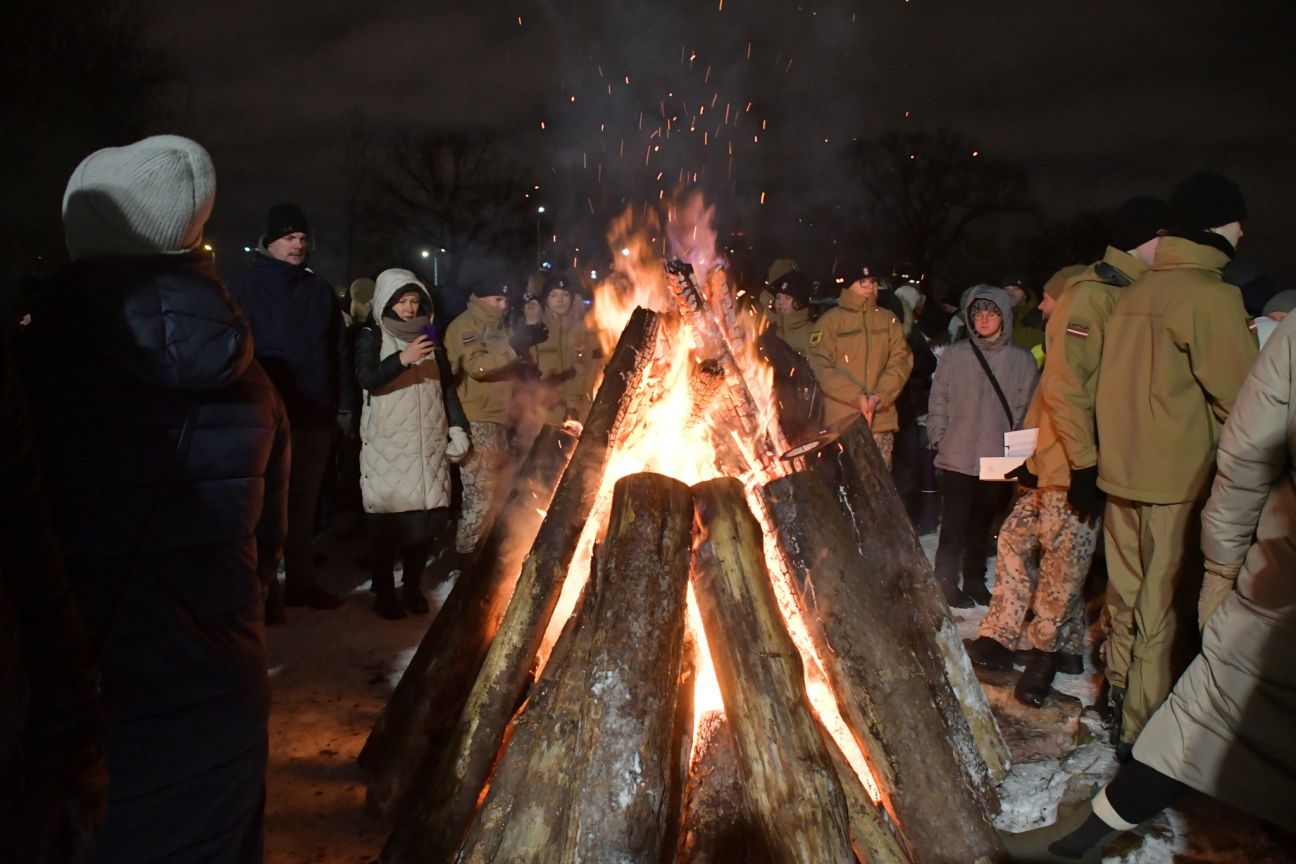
(882, 688)
(791, 784)
(588, 773)
(871, 835)
(431, 693)
(443, 800)
(901, 577)
(718, 825)
(715, 347)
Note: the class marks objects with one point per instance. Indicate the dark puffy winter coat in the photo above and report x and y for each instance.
(300, 338)
(119, 354)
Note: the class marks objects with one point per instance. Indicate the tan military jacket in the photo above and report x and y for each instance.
(794, 328)
(858, 349)
(566, 361)
(1063, 407)
(481, 361)
(1177, 348)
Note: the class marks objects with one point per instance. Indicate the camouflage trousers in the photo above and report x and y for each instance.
(885, 442)
(1044, 555)
(479, 473)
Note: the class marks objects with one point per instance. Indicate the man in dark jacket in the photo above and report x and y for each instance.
(300, 339)
(165, 449)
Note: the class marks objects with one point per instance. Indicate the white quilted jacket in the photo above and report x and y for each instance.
(403, 430)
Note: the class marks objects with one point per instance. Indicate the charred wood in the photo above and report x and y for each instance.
(791, 784)
(718, 825)
(881, 687)
(899, 575)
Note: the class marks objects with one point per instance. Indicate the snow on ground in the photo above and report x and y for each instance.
(1199, 830)
(331, 673)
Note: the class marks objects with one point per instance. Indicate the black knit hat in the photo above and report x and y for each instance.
(491, 288)
(282, 220)
(796, 285)
(559, 282)
(1137, 221)
(1206, 200)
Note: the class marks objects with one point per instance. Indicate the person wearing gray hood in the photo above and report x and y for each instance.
(980, 391)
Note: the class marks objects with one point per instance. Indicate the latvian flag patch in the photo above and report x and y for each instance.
(1078, 330)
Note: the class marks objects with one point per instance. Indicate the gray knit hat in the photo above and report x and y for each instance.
(147, 198)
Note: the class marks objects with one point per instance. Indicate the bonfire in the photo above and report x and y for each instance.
(687, 638)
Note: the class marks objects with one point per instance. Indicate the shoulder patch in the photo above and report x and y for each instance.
(816, 336)
(469, 338)
(1077, 330)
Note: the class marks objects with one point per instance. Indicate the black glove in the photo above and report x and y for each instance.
(560, 376)
(525, 337)
(1023, 475)
(1084, 496)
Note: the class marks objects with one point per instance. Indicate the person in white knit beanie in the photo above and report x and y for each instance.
(148, 198)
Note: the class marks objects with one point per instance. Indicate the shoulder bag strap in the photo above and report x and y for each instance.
(994, 382)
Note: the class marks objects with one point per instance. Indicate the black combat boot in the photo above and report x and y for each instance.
(989, 653)
(1034, 685)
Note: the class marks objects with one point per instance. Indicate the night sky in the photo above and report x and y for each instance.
(1097, 100)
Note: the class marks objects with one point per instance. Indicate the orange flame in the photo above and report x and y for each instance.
(669, 433)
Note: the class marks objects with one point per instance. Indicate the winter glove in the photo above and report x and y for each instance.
(1023, 475)
(1217, 584)
(1084, 496)
(458, 445)
(525, 337)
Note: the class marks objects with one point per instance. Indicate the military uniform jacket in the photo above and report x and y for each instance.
(481, 362)
(857, 350)
(794, 328)
(566, 362)
(1063, 407)
(1177, 348)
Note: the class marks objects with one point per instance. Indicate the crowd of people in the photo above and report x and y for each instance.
(172, 437)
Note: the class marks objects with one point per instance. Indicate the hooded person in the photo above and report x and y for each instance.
(861, 361)
(412, 428)
(168, 520)
(1028, 321)
(1183, 344)
(484, 361)
(568, 355)
(981, 389)
(361, 293)
(300, 338)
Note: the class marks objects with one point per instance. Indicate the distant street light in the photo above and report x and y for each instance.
(426, 254)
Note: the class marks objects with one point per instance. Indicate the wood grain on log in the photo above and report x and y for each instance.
(431, 692)
(588, 774)
(900, 573)
(790, 781)
(444, 799)
(872, 833)
(881, 686)
(718, 825)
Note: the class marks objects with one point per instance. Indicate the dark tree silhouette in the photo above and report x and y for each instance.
(457, 191)
(927, 193)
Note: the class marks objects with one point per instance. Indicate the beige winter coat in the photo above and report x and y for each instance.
(1229, 727)
(403, 425)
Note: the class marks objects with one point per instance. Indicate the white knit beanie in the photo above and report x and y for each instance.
(147, 198)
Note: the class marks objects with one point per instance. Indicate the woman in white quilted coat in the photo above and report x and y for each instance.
(411, 429)
(1227, 728)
